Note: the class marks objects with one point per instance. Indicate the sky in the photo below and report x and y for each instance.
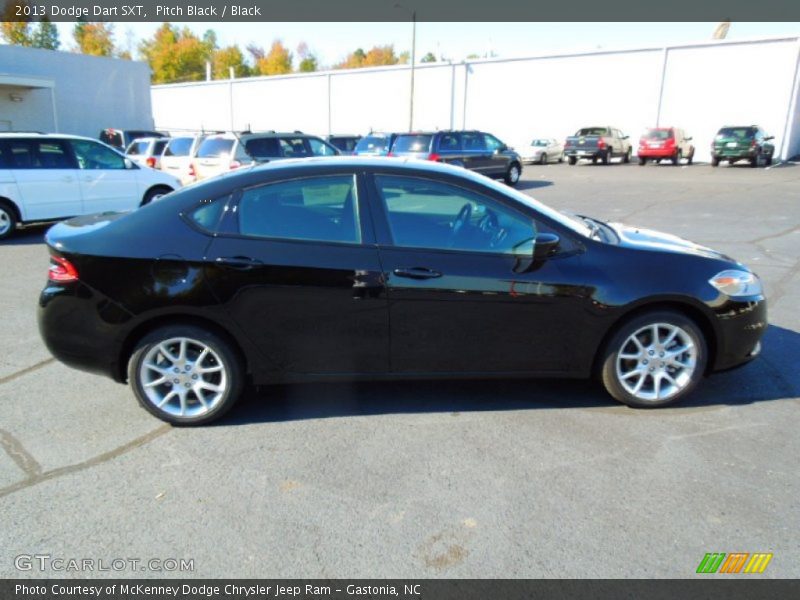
(332, 42)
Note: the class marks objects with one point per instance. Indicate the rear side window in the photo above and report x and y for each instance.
(158, 148)
(208, 214)
(260, 148)
(39, 154)
(450, 142)
(294, 148)
(179, 147)
(412, 143)
(92, 155)
(137, 148)
(473, 142)
(320, 209)
(215, 148)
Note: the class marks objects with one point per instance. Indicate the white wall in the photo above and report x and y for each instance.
(699, 87)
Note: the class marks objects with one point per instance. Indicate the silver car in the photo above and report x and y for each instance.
(542, 150)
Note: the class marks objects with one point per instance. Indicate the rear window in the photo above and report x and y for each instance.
(373, 143)
(659, 134)
(412, 143)
(215, 147)
(737, 132)
(179, 147)
(593, 131)
(137, 148)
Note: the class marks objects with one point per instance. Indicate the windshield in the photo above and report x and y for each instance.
(539, 143)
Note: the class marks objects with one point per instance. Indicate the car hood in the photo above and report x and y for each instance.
(649, 239)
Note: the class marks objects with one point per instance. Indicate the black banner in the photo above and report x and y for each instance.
(388, 10)
(738, 588)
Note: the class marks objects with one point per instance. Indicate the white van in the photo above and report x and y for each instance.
(46, 177)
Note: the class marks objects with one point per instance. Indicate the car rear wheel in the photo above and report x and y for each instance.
(714, 161)
(627, 158)
(654, 359)
(513, 173)
(768, 162)
(606, 157)
(185, 375)
(691, 158)
(8, 220)
(543, 159)
(676, 160)
(572, 160)
(642, 161)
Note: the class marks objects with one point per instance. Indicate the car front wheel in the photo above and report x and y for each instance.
(513, 173)
(654, 360)
(8, 220)
(185, 375)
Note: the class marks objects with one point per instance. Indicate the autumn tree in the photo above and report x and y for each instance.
(377, 56)
(277, 61)
(94, 38)
(225, 58)
(308, 61)
(177, 54)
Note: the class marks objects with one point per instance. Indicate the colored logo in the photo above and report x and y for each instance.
(735, 562)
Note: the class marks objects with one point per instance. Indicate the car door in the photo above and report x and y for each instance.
(47, 177)
(107, 181)
(300, 276)
(498, 160)
(464, 295)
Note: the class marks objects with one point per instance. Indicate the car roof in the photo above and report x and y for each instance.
(46, 136)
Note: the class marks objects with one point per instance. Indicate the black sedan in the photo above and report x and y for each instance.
(373, 268)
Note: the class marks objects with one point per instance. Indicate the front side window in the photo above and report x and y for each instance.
(318, 208)
(424, 213)
(473, 142)
(92, 155)
(293, 147)
(320, 148)
(39, 154)
(492, 143)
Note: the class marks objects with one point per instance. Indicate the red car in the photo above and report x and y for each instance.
(665, 142)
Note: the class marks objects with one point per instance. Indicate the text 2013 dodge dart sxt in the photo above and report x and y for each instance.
(377, 268)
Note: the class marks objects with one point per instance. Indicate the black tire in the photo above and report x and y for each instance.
(572, 160)
(617, 343)
(513, 174)
(627, 158)
(768, 162)
(642, 161)
(690, 160)
(154, 193)
(606, 157)
(561, 159)
(754, 161)
(543, 159)
(676, 160)
(8, 220)
(221, 353)
(714, 161)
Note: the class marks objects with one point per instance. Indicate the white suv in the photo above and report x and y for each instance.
(178, 156)
(45, 177)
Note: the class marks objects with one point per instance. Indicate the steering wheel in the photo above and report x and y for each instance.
(462, 218)
(490, 226)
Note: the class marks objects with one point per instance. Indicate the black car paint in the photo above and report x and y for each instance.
(306, 310)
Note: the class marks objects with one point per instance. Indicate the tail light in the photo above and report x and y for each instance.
(434, 157)
(601, 143)
(192, 170)
(753, 144)
(567, 143)
(390, 154)
(235, 164)
(61, 270)
(151, 162)
(642, 142)
(670, 142)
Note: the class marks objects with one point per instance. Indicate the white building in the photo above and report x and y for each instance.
(64, 92)
(699, 87)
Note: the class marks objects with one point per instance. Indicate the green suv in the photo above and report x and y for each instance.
(742, 143)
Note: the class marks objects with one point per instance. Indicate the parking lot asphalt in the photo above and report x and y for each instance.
(430, 479)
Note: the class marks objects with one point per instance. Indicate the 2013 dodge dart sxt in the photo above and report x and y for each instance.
(372, 268)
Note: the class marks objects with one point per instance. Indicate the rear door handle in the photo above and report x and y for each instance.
(417, 273)
(241, 263)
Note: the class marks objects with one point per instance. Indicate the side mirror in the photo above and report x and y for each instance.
(769, 137)
(688, 139)
(625, 137)
(546, 244)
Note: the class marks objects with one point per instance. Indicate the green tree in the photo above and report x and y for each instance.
(277, 61)
(428, 58)
(308, 62)
(225, 58)
(46, 35)
(94, 38)
(176, 54)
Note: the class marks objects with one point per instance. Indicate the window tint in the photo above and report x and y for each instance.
(319, 208)
(92, 155)
(658, 134)
(158, 148)
(738, 132)
(492, 143)
(473, 142)
(208, 214)
(348, 144)
(179, 147)
(450, 142)
(294, 147)
(39, 154)
(320, 148)
(429, 214)
(262, 148)
(137, 148)
(215, 148)
(412, 143)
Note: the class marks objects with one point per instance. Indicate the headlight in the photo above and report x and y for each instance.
(737, 283)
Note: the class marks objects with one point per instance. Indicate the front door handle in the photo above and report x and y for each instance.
(417, 273)
(241, 263)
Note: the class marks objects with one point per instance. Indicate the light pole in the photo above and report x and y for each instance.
(413, 61)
